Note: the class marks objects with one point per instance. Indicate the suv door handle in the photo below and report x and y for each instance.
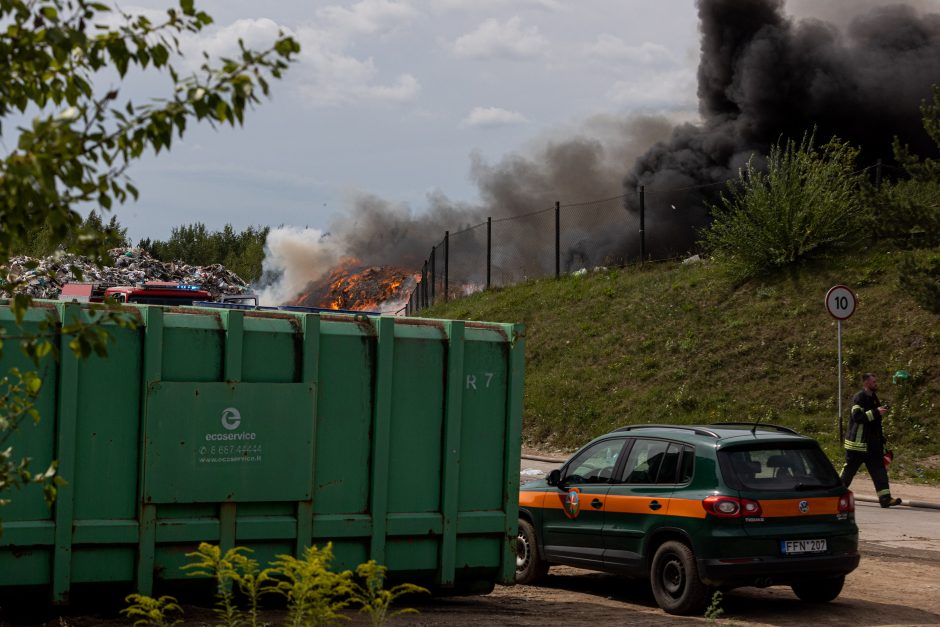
(654, 505)
(597, 504)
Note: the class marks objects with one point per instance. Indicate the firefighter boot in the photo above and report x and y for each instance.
(887, 501)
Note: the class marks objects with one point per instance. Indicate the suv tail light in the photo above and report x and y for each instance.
(847, 503)
(732, 507)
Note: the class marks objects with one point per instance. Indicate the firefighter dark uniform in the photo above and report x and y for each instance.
(864, 444)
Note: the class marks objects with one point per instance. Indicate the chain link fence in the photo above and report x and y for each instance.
(655, 224)
(553, 241)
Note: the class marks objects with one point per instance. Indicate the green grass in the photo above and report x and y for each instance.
(684, 343)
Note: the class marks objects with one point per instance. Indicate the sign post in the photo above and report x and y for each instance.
(840, 303)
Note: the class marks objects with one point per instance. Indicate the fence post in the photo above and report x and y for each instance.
(642, 223)
(557, 239)
(489, 249)
(433, 271)
(424, 285)
(446, 261)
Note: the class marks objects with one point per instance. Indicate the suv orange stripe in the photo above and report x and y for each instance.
(531, 499)
(687, 508)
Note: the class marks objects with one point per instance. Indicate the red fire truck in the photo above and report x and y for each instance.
(150, 293)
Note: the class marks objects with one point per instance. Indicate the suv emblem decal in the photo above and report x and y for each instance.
(572, 504)
(804, 506)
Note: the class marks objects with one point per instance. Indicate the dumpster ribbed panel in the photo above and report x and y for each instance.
(395, 439)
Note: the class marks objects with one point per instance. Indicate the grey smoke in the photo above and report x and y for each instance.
(586, 163)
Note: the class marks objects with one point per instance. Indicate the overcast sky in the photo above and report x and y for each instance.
(393, 97)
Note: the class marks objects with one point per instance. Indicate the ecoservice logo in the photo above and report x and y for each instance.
(231, 418)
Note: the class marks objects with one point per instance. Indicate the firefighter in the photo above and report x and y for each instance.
(865, 441)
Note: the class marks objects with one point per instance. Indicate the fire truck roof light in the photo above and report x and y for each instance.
(171, 286)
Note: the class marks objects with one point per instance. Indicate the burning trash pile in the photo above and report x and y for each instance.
(352, 287)
(132, 266)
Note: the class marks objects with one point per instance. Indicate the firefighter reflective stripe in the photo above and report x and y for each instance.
(885, 492)
(858, 444)
(869, 415)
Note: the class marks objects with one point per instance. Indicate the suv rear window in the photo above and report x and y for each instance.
(777, 467)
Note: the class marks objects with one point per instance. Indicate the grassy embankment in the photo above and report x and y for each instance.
(682, 343)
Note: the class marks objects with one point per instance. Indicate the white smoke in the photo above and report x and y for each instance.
(295, 256)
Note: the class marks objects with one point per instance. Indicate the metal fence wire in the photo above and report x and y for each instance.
(546, 242)
(655, 223)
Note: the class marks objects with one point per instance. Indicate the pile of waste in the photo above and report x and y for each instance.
(44, 278)
(352, 286)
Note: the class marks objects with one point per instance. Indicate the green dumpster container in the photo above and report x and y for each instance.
(396, 439)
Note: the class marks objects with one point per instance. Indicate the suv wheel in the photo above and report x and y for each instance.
(818, 590)
(530, 567)
(675, 581)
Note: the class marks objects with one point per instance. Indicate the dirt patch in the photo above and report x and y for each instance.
(882, 591)
(932, 462)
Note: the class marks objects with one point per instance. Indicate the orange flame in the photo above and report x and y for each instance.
(352, 286)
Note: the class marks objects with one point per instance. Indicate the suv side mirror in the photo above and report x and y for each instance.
(554, 477)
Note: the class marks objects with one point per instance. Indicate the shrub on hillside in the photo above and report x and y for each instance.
(806, 202)
(910, 210)
(920, 277)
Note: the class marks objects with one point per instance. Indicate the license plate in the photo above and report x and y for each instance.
(801, 547)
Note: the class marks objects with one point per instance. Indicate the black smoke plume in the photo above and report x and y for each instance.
(765, 77)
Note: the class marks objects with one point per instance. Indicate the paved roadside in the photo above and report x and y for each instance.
(911, 494)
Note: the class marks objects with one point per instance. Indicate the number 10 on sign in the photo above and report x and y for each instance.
(840, 303)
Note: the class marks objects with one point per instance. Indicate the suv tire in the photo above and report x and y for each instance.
(675, 581)
(530, 567)
(820, 590)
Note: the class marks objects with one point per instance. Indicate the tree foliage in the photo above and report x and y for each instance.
(241, 252)
(923, 169)
(909, 209)
(920, 277)
(807, 202)
(80, 138)
(83, 138)
(41, 242)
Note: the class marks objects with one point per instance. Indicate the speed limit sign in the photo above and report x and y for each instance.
(840, 302)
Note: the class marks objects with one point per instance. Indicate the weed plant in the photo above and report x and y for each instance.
(714, 610)
(149, 611)
(374, 599)
(315, 594)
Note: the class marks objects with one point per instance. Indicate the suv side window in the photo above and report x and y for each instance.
(686, 464)
(596, 463)
(643, 464)
(659, 462)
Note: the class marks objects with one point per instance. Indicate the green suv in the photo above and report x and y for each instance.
(694, 508)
